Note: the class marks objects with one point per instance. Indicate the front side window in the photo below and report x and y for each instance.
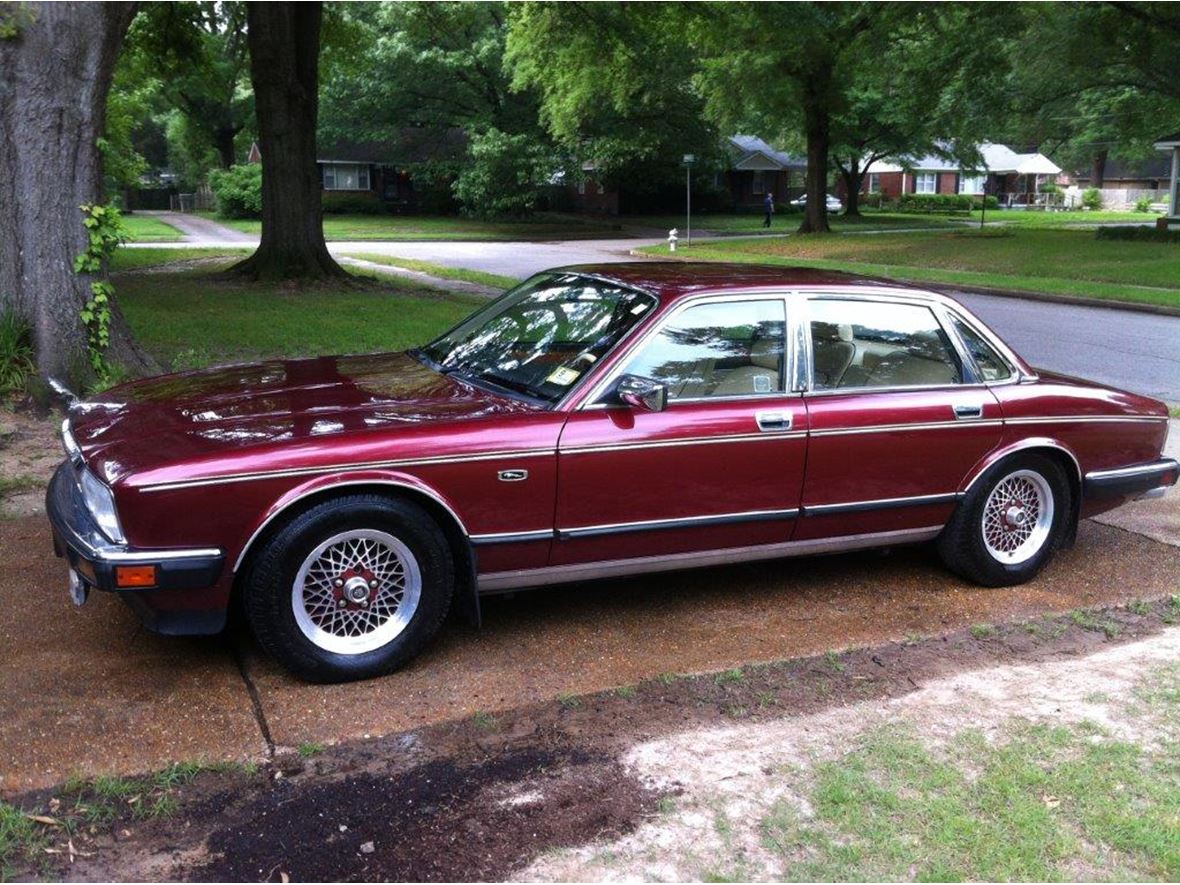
(992, 366)
(925, 183)
(866, 344)
(717, 350)
(540, 338)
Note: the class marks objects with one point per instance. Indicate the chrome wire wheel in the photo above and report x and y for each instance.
(1017, 517)
(356, 591)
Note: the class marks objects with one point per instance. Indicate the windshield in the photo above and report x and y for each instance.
(542, 336)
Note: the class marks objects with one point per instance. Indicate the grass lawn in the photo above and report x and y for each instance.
(1059, 220)
(187, 318)
(1053, 261)
(149, 229)
(445, 227)
(439, 270)
(734, 222)
(135, 259)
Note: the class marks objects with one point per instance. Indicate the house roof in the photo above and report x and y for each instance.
(751, 153)
(996, 158)
(411, 145)
(1168, 142)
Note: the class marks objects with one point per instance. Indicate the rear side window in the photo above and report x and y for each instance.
(991, 365)
(865, 344)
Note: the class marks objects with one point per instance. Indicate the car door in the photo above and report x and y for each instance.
(897, 417)
(720, 467)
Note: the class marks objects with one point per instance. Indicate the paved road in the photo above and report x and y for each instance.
(1127, 349)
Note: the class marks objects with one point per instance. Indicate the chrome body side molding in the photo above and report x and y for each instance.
(880, 504)
(499, 582)
(654, 525)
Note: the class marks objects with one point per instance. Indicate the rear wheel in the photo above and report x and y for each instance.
(352, 588)
(1011, 522)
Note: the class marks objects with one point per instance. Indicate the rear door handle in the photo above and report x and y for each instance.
(772, 422)
(964, 412)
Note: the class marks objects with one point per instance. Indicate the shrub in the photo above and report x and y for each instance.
(16, 354)
(352, 203)
(1139, 233)
(1092, 198)
(871, 200)
(1143, 204)
(504, 174)
(935, 202)
(238, 190)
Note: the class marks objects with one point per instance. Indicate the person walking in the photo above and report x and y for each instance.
(769, 203)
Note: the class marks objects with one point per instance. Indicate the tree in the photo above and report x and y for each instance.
(56, 63)
(284, 68)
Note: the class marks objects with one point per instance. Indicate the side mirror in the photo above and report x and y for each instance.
(642, 393)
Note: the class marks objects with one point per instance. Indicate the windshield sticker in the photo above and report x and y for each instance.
(639, 308)
(563, 376)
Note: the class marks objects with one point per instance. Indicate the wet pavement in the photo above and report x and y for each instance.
(88, 691)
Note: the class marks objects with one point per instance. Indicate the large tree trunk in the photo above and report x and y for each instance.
(284, 43)
(224, 138)
(853, 177)
(56, 72)
(1098, 169)
(816, 123)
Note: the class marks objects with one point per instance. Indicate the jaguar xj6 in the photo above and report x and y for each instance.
(594, 421)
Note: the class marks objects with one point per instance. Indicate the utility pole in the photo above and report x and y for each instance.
(689, 159)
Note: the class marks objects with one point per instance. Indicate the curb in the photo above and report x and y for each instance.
(1025, 295)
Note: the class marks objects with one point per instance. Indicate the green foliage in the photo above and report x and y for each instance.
(17, 359)
(1139, 234)
(238, 190)
(352, 203)
(504, 175)
(935, 202)
(1092, 198)
(308, 749)
(1143, 204)
(104, 232)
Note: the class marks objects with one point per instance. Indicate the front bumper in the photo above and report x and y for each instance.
(1142, 480)
(76, 537)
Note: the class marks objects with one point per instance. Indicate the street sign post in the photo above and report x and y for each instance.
(689, 159)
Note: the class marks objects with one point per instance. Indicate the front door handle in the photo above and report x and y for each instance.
(772, 422)
(962, 413)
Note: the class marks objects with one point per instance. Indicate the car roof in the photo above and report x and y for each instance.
(670, 280)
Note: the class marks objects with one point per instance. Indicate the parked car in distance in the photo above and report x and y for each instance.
(835, 204)
(595, 421)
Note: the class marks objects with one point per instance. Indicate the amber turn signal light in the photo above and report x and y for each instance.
(135, 576)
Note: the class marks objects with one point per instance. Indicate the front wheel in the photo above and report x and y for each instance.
(1009, 525)
(352, 588)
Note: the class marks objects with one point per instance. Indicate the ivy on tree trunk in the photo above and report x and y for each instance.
(56, 64)
(284, 41)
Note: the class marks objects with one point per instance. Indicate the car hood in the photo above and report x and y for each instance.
(189, 415)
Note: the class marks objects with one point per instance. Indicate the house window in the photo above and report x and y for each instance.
(346, 177)
(758, 184)
(874, 183)
(971, 184)
(926, 183)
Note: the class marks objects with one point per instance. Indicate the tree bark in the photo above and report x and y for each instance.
(224, 138)
(817, 124)
(56, 72)
(284, 41)
(1098, 169)
(853, 177)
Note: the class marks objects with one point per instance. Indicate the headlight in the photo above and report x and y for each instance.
(100, 501)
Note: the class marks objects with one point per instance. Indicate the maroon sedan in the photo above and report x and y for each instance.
(593, 422)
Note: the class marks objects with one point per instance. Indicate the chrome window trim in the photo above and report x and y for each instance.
(1015, 374)
(598, 389)
(429, 493)
(344, 468)
(493, 582)
(642, 525)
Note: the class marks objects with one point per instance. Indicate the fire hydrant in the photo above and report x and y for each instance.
(672, 239)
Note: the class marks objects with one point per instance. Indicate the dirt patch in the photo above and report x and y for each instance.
(484, 797)
(30, 450)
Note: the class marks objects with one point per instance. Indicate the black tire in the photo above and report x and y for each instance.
(271, 609)
(962, 546)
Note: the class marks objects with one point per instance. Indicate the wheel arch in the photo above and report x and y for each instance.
(320, 489)
(1047, 447)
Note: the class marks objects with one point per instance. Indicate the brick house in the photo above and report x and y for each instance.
(1012, 177)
